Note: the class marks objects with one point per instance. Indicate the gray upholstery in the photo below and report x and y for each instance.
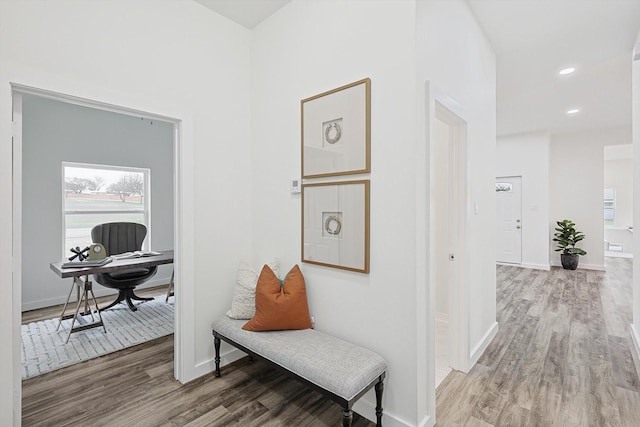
(117, 238)
(338, 366)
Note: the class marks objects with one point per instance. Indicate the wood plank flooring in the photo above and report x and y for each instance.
(135, 387)
(561, 357)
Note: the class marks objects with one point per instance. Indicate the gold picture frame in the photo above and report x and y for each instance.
(336, 131)
(335, 224)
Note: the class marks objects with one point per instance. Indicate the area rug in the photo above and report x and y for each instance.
(44, 349)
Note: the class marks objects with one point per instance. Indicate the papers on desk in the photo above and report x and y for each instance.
(87, 263)
(136, 254)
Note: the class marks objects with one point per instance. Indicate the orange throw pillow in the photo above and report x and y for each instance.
(280, 307)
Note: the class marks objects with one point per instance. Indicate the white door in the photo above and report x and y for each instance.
(509, 223)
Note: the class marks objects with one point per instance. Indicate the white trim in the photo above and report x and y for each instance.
(16, 177)
(209, 365)
(483, 344)
(427, 421)
(635, 348)
(545, 267)
(582, 266)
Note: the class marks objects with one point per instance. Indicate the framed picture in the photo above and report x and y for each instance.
(336, 131)
(335, 225)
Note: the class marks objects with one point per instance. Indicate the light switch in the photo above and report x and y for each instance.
(296, 186)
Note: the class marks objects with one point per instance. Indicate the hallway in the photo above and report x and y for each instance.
(561, 357)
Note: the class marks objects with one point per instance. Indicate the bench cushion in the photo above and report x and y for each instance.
(338, 366)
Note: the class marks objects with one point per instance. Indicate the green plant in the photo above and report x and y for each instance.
(567, 236)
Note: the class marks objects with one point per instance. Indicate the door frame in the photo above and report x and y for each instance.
(438, 105)
(508, 177)
(184, 320)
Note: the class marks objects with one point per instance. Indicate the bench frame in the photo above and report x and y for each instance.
(347, 413)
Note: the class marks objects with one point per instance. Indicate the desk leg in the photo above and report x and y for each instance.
(73, 284)
(87, 288)
(73, 319)
(169, 293)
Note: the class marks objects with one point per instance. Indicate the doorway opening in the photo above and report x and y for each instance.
(509, 219)
(175, 181)
(447, 259)
(618, 201)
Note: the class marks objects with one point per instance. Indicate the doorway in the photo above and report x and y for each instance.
(181, 202)
(448, 214)
(509, 219)
(618, 201)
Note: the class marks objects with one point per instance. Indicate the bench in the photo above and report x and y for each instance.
(342, 371)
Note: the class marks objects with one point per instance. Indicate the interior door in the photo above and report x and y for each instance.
(509, 221)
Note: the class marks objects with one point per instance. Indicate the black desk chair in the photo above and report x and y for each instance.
(119, 237)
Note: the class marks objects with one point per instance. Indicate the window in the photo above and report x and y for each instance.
(96, 194)
(609, 206)
(503, 186)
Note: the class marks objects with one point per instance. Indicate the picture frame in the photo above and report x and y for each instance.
(335, 224)
(336, 131)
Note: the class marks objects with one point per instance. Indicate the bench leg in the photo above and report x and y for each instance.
(379, 390)
(216, 344)
(347, 417)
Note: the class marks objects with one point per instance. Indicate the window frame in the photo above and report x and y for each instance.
(146, 199)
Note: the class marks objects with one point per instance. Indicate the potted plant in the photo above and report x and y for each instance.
(567, 236)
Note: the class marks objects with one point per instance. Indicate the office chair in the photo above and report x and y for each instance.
(119, 237)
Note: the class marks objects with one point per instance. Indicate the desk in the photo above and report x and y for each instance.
(84, 287)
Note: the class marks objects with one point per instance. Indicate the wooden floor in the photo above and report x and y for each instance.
(561, 357)
(135, 387)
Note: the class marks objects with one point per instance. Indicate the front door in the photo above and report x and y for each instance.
(509, 223)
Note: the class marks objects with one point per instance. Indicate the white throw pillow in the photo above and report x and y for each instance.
(243, 305)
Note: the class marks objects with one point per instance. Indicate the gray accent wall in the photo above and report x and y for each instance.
(56, 132)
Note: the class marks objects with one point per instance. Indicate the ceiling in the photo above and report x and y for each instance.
(533, 40)
(247, 13)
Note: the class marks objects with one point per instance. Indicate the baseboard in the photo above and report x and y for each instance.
(483, 344)
(545, 267)
(582, 266)
(209, 365)
(99, 291)
(367, 409)
(635, 350)
(427, 421)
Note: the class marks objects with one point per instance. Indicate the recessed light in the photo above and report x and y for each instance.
(566, 71)
(573, 111)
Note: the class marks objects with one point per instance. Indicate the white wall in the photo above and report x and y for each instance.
(173, 58)
(56, 132)
(576, 173)
(527, 155)
(292, 59)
